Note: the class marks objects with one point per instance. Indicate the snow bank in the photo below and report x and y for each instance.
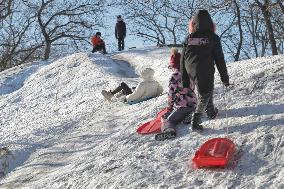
(63, 134)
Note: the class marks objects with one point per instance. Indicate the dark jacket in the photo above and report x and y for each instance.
(201, 50)
(120, 29)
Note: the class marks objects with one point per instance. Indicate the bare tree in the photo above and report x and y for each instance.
(266, 14)
(5, 8)
(159, 21)
(281, 5)
(16, 47)
(33, 29)
(238, 13)
(61, 22)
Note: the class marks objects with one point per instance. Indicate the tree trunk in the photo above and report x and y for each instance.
(47, 51)
(266, 14)
(237, 56)
(281, 6)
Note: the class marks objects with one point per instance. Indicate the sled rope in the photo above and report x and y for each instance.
(226, 110)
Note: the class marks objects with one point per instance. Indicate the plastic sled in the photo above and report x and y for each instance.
(216, 152)
(153, 126)
(138, 101)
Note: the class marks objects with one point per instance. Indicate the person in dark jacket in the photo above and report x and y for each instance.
(201, 50)
(120, 32)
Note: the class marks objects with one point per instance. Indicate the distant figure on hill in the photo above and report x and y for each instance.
(98, 43)
(120, 32)
(201, 50)
(146, 89)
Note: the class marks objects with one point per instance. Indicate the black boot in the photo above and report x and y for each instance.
(196, 121)
(212, 112)
(167, 134)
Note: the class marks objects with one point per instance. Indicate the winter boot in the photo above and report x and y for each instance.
(107, 94)
(168, 133)
(196, 121)
(187, 119)
(212, 112)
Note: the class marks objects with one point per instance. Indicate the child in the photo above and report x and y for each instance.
(202, 47)
(175, 59)
(98, 43)
(145, 90)
(181, 101)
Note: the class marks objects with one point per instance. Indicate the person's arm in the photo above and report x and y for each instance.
(124, 29)
(115, 32)
(137, 93)
(171, 98)
(220, 61)
(184, 74)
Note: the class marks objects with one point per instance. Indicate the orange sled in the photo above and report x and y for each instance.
(216, 152)
(153, 126)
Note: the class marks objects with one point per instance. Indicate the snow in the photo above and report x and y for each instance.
(63, 134)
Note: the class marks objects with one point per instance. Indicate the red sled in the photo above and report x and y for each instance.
(153, 126)
(216, 152)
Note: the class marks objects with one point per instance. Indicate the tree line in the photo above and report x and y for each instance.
(248, 28)
(44, 29)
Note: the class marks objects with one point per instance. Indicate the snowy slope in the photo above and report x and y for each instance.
(64, 135)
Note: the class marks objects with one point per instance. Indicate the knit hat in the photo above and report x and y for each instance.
(99, 33)
(119, 18)
(175, 59)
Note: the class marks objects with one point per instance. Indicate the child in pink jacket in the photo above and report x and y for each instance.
(181, 101)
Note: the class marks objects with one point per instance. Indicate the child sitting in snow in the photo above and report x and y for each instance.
(181, 101)
(145, 90)
(98, 43)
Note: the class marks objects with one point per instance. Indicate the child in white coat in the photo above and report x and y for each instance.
(146, 89)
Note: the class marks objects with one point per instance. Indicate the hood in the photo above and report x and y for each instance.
(119, 19)
(147, 74)
(202, 21)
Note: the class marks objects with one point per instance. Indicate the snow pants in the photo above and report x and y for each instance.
(205, 102)
(101, 47)
(176, 116)
(124, 88)
(120, 44)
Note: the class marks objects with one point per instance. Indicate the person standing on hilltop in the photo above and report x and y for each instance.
(120, 32)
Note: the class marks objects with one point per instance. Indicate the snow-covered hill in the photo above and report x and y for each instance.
(63, 134)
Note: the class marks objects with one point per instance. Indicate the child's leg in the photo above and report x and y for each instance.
(202, 105)
(94, 49)
(210, 109)
(126, 89)
(104, 48)
(203, 102)
(176, 117)
(122, 87)
(169, 128)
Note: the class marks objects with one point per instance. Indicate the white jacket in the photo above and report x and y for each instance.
(146, 89)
